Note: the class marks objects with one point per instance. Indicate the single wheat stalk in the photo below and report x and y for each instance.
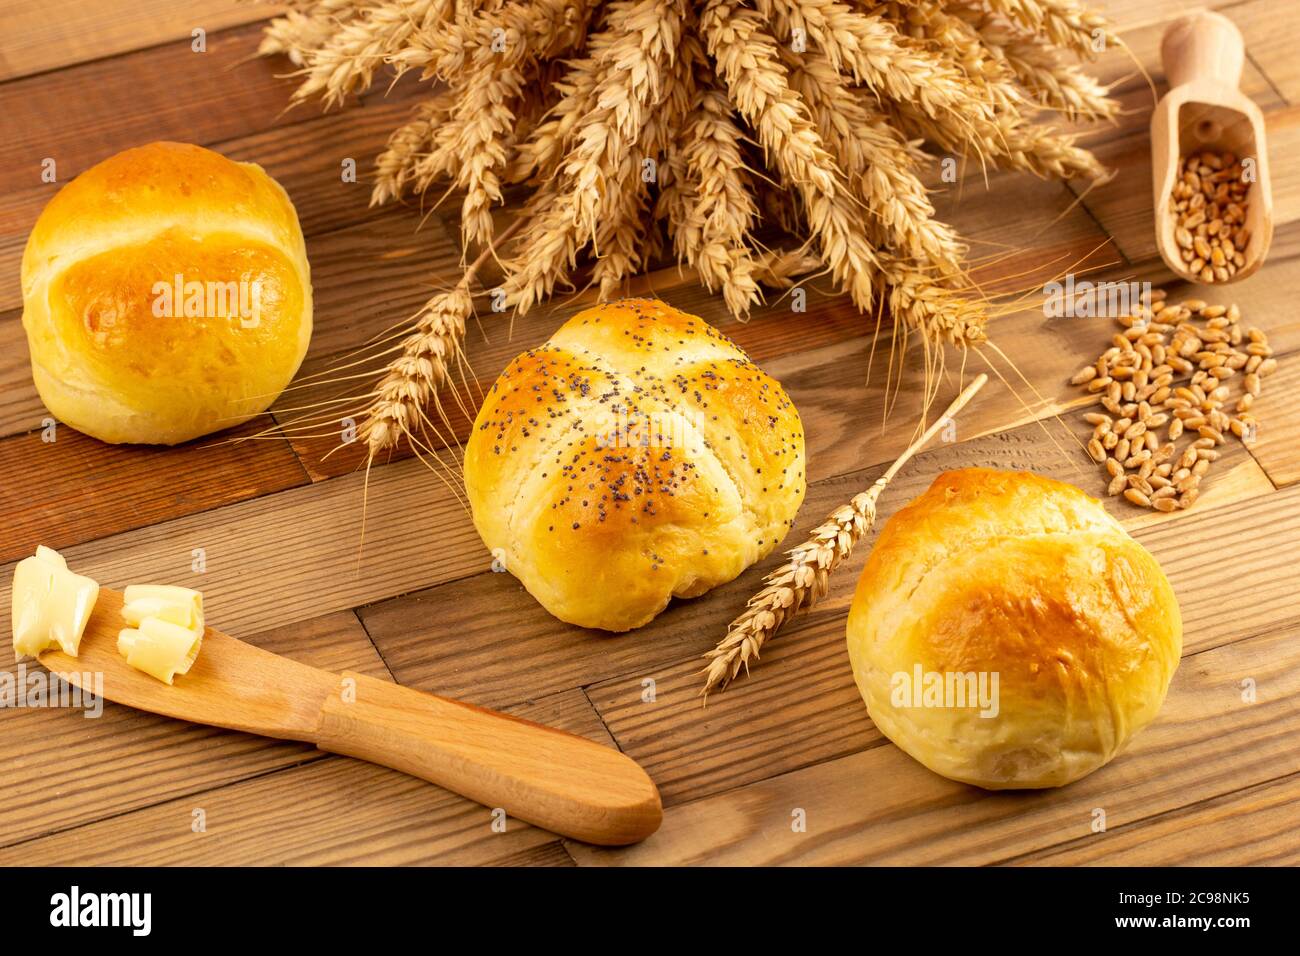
(804, 580)
(412, 380)
(712, 210)
(399, 165)
(1053, 84)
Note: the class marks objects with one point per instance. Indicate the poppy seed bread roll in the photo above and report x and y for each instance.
(636, 456)
(1011, 574)
(166, 295)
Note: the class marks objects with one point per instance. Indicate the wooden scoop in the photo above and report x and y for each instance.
(567, 784)
(1203, 55)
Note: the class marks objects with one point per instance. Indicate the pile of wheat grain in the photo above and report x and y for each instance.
(649, 126)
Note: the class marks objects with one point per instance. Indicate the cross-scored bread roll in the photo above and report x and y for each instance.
(635, 457)
(1009, 573)
(116, 352)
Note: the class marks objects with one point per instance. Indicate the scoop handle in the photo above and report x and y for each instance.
(556, 780)
(1203, 46)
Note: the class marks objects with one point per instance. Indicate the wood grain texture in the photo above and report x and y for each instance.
(21, 409)
(1134, 14)
(1271, 49)
(168, 92)
(125, 491)
(1277, 446)
(881, 807)
(58, 33)
(126, 759)
(266, 558)
(552, 779)
(341, 811)
(1252, 827)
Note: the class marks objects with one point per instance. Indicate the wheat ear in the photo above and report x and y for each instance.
(803, 580)
(1065, 23)
(423, 366)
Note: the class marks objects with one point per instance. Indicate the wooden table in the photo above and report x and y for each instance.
(1215, 780)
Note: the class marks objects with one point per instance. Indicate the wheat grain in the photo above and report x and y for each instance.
(1143, 362)
(1208, 204)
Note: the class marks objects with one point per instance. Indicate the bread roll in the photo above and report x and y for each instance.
(1008, 573)
(116, 353)
(635, 457)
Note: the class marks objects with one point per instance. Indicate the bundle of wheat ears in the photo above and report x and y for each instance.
(639, 128)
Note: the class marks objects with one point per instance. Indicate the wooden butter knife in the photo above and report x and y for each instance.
(565, 783)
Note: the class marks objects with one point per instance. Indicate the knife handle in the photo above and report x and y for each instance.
(556, 780)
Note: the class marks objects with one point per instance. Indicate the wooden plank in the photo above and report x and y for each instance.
(1269, 48)
(126, 759)
(331, 811)
(167, 92)
(60, 33)
(297, 554)
(548, 854)
(20, 407)
(124, 489)
(1252, 827)
(1127, 15)
(881, 807)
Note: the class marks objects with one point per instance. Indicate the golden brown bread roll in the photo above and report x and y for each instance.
(115, 352)
(1009, 573)
(636, 456)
